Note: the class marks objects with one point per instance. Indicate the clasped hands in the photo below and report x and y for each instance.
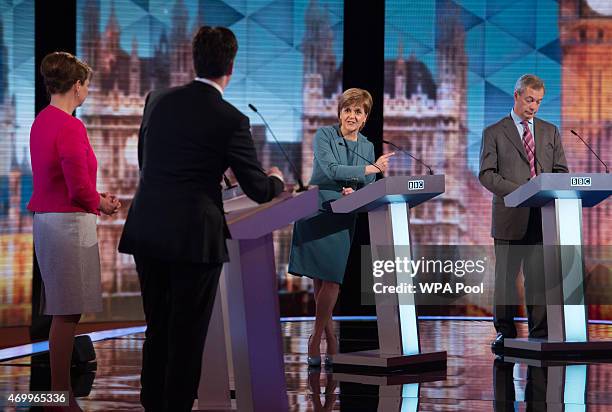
(109, 204)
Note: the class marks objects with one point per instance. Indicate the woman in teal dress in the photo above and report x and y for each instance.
(321, 242)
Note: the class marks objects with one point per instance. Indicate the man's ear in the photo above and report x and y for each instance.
(231, 69)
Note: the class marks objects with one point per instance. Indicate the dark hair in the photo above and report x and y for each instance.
(61, 70)
(214, 50)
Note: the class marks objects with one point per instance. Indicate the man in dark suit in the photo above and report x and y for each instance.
(175, 227)
(514, 150)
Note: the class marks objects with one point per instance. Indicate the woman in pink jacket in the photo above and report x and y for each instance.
(65, 205)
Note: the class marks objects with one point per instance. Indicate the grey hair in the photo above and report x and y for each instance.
(528, 80)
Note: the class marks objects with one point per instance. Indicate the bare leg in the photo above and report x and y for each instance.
(330, 336)
(325, 302)
(61, 341)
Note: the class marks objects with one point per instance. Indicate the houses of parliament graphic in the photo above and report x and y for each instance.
(425, 113)
(112, 116)
(15, 190)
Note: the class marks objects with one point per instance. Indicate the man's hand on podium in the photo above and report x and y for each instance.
(276, 172)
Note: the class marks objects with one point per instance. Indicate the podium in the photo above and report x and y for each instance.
(561, 197)
(246, 317)
(387, 202)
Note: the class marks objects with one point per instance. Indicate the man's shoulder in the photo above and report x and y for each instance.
(167, 91)
(191, 94)
(168, 94)
(230, 110)
(544, 124)
(498, 125)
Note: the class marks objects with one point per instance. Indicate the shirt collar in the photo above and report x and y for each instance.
(210, 83)
(517, 119)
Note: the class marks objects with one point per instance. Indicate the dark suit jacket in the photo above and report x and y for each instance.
(504, 167)
(188, 137)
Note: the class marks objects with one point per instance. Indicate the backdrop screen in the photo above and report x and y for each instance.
(16, 116)
(288, 65)
(450, 70)
(450, 67)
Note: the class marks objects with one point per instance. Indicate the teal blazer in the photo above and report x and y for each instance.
(321, 243)
(330, 170)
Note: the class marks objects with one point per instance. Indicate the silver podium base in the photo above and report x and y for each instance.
(376, 361)
(559, 349)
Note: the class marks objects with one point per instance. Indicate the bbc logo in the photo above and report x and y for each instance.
(581, 181)
(416, 184)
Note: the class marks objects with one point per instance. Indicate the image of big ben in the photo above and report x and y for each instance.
(585, 33)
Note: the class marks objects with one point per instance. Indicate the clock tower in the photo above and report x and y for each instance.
(585, 28)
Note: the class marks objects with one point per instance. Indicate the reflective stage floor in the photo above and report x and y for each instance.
(474, 379)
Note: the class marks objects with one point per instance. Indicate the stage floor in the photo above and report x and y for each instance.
(474, 381)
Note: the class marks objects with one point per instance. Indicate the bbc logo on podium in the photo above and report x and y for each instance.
(416, 184)
(581, 181)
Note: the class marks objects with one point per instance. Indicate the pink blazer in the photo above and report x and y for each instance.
(64, 165)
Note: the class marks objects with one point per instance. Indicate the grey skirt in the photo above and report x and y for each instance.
(66, 246)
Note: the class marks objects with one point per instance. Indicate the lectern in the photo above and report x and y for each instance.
(246, 317)
(387, 203)
(562, 197)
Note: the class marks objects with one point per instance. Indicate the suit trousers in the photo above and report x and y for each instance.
(178, 299)
(509, 256)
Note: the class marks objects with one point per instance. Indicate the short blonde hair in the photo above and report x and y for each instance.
(356, 96)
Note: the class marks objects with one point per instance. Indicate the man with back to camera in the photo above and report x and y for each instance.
(175, 227)
(514, 150)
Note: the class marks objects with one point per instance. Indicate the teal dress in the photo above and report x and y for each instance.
(321, 242)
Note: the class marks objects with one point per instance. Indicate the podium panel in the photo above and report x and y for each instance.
(561, 197)
(244, 342)
(388, 202)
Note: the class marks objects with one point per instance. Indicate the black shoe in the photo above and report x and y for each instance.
(498, 344)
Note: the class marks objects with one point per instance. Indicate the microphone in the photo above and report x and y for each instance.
(592, 151)
(405, 152)
(354, 152)
(296, 175)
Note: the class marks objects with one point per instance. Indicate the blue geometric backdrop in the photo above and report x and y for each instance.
(268, 67)
(503, 39)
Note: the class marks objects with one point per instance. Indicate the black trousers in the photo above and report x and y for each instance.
(178, 299)
(509, 256)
